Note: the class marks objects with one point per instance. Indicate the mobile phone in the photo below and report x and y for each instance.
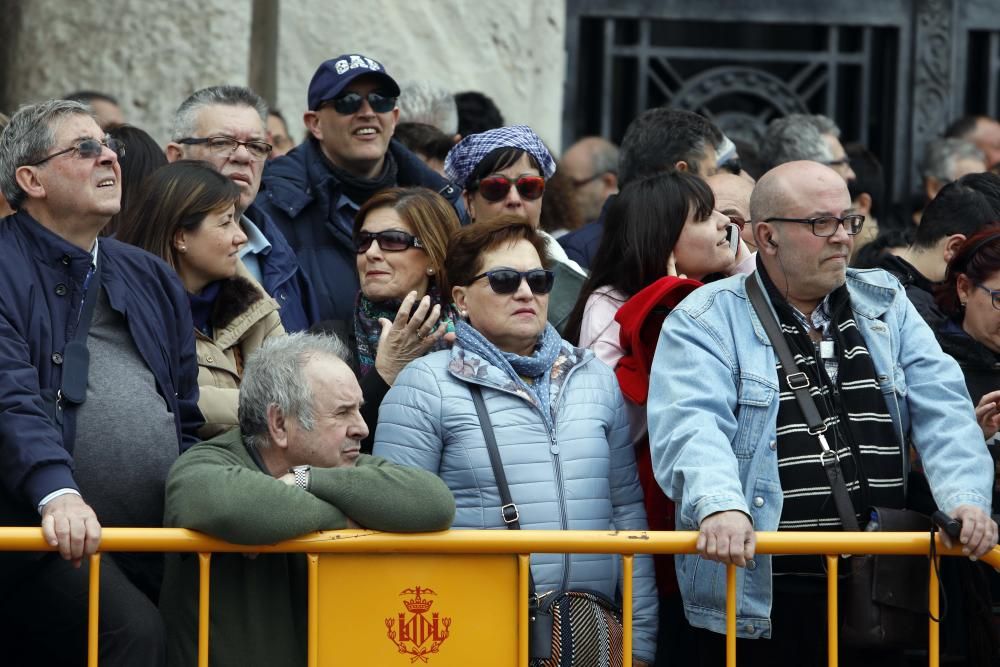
(733, 236)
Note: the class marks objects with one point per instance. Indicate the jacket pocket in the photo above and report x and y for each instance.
(754, 400)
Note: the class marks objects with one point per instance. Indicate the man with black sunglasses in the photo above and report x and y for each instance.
(99, 393)
(314, 192)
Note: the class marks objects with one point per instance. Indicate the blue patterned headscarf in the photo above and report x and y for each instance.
(465, 156)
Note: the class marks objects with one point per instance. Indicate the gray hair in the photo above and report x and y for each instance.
(27, 138)
(943, 154)
(275, 375)
(185, 122)
(797, 137)
(424, 102)
(605, 158)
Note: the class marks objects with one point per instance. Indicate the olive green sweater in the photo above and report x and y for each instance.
(258, 605)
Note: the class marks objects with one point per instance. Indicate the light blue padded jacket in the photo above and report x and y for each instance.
(713, 407)
(580, 476)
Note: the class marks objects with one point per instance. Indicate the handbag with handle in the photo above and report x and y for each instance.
(577, 628)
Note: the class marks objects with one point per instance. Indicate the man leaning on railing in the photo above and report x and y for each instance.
(731, 438)
(292, 467)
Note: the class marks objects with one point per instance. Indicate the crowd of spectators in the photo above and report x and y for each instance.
(259, 337)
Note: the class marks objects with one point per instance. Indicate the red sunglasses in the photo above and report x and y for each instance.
(495, 188)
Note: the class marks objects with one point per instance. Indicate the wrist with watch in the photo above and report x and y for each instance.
(301, 474)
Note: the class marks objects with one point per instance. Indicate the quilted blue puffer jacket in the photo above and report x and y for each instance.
(579, 476)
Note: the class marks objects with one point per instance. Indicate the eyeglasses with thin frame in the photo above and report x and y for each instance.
(224, 146)
(87, 149)
(827, 225)
(350, 103)
(495, 188)
(507, 281)
(994, 294)
(390, 240)
(735, 219)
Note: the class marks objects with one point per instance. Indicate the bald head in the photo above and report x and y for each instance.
(787, 184)
(804, 265)
(592, 164)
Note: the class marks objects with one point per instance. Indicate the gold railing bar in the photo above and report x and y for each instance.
(627, 566)
(730, 615)
(312, 644)
(934, 612)
(523, 570)
(204, 577)
(93, 609)
(832, 617)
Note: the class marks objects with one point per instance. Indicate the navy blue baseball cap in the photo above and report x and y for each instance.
(333, 76)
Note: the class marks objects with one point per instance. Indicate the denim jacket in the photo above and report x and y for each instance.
(713, 407)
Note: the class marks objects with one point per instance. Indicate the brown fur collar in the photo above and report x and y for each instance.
(235, 298)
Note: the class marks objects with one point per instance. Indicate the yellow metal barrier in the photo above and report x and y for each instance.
(517, 543)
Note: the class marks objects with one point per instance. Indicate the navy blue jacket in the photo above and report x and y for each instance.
(41, 292)
(282, 278)
(301, 193)
(581, 245)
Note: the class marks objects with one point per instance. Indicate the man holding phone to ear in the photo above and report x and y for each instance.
(731, 445)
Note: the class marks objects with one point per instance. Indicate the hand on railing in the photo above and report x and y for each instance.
(727, 537)
(70, 524)
(979, 531)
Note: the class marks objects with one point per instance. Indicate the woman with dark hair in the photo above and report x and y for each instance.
(185, 215)
(662, 237)
(659, 226)
(556, 416)
(969, 296)
(505, 171)
(140, 158)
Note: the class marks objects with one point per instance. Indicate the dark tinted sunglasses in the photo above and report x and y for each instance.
(507, 281)
(388, 241)
(349, 103)
(88, 149)
(495, 188)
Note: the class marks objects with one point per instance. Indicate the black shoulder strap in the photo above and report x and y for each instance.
(76, 356)
(799, 382)
(508, 511)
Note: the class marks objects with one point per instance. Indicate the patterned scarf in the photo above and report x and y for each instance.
(367, 330)
(860, 429)
(537, 368)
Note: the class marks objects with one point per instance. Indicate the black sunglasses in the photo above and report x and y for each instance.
(507, 281)
(389, 241)
(87, 149)
(349, 103)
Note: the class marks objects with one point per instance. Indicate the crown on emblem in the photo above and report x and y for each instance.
(417, 604)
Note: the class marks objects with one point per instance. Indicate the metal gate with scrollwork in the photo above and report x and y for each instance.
(891, 73)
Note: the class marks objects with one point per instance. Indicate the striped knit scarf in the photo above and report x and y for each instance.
(860, 429)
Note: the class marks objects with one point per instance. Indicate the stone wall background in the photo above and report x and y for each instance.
(151, 55)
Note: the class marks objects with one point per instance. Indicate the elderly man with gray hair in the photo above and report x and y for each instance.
(947, 160)
(98, 395)
(293, 466)
(806, 137)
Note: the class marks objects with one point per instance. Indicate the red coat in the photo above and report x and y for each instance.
(641, 318)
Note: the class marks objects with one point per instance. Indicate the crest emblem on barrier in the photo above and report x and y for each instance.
(418, 631)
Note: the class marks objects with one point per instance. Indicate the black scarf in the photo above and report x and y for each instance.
(860, 429)
(358, 190)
